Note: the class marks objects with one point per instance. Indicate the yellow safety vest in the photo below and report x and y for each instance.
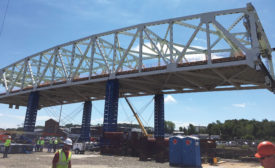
(63, 162)
(55, 141)
(38, 142)
(7, 143)
(42, 142)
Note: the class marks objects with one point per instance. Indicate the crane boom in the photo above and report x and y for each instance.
(136, 116)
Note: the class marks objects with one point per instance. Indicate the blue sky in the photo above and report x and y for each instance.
(35, 25)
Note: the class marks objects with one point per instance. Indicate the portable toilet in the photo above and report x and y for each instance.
(184, 152)
(176, 151)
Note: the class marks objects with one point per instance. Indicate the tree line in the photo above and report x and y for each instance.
(237, 129)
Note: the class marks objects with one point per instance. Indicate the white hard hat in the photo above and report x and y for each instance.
(9, 136)
(68, 141)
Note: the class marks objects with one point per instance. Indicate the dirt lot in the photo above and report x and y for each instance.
(95, 160)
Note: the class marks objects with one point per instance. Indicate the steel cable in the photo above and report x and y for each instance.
(3, 22)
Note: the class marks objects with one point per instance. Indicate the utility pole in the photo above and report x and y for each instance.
(60, 115)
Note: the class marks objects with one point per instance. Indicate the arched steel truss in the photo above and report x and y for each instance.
(203, 41)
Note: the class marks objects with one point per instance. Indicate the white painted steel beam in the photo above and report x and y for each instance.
(148, 51)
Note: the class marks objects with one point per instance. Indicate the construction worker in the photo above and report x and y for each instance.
(42, 142)
(55, 143)
(50, 146)
(62, 158)
(266, 154)
(7, 145)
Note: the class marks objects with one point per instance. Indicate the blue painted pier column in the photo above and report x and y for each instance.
(111, 106)
(31, 112)
(159, 116)
(86, 122)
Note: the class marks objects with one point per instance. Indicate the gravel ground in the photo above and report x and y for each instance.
(95, 160)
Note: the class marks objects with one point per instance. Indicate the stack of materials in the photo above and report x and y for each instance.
(18, 148)
(154, 148)
(113, 143)
(146, 148)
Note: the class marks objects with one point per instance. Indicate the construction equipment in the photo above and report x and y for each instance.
(137, 117)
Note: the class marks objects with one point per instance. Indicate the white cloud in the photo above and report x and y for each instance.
(191, 55)
(170, 99)
(10, 121)
(125, 122)
(242, 105)
(182, 124)
(97, 120)
(79, 8)
(22, 118)
(200, 39)
(42, 118)
(8, 125)
(86, 9)
(14, 116)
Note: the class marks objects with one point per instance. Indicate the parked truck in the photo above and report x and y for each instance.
(79, 147)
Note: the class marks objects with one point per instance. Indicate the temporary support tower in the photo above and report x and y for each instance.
(111, 106)
(159, 116)
(86, 121)
(31, 112)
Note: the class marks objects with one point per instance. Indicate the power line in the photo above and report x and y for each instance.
(72, 114)
(3, 22)
(70, 118)
(124, 111)
(98, 111)
(52, 114)
(145, 107)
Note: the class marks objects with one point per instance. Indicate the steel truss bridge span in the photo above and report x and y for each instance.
(215, 51)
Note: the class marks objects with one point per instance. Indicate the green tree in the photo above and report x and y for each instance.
(169, 127)
(245, 129)
(213, 129)
(39, 126)
(191, 129)
(69, 125)
(185, 131)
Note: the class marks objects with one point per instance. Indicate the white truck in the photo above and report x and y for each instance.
(79, 147)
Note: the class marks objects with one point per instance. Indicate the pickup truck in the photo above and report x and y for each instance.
(79, 147)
